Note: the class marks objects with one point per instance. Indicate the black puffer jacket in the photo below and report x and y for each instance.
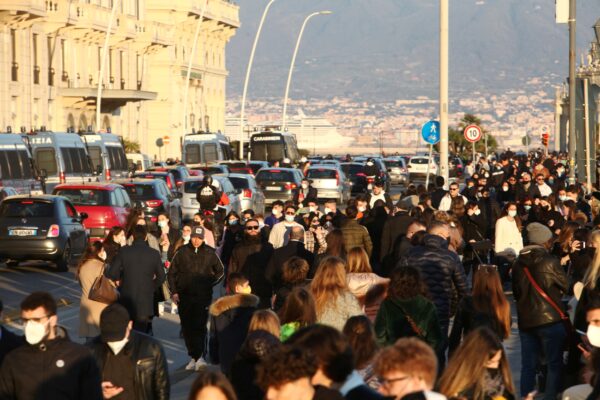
(151, 379)
(52, 369)
(194, 272)
(441, 270)
(533, 311)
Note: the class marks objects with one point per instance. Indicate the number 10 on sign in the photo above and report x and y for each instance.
(473, 134)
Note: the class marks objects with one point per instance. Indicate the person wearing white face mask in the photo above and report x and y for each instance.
(304, 194)
(167, 237)
(113, 242)
(89, 269)
(49, 366)
(280, 234)
(133, 366)
(508, 240)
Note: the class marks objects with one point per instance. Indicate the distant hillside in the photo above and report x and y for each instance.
(387, 49)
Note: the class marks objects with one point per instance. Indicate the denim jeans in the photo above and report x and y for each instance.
(545, 342)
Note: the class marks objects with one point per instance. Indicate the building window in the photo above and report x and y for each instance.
(121, 75)
(36, 67)
(63, 60)
(13, 54)
(50, 59)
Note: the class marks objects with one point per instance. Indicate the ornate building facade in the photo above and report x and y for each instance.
(51, 52)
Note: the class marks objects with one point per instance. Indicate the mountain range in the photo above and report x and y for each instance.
(380, 50)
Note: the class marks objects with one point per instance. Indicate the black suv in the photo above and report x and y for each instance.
(167, 176)
(154, 197)
(42, 227)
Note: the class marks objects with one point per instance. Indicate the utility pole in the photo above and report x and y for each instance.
(444, 90)
(572, 99)
(103, 64)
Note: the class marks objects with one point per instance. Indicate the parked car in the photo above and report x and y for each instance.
(166, 176)
(190, 205)
(256, 165)
(251, 197)
(397, 169)
(278, 183)
(417, 167)
(43, 227)
(154, 197)
(330, 181)
(106, 204)
(354, 172)
(180, 172)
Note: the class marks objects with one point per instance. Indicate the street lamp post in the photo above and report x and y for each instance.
(444, 89)
(103, 63)
(248, 70)
(189, 68)
(572, 94)
(289, 80)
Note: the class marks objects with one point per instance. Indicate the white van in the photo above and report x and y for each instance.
(205, 148)
(107, 154)
(16, 166)
(138, 161)
(59, 158)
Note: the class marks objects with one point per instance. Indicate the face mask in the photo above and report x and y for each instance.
(370, 164)
(186, 239)
(276, 212)
(289, 218)
(527, 207)
(505, 188)
(593, 334)
(551, 181)
(312, 209)
(117, 346)
(102, 255)
(233, 222)
(563, 198)
(35, 332)
(327, 210)
(477, 212)
(305, 186)
(162, 224)
(512, 213)
(261, 224)
(245, 290)
(362, 209)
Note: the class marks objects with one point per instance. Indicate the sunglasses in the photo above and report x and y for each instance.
(252, 228)
(290, 213)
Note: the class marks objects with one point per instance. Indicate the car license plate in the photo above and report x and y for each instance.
(273, 188)
(22, 232)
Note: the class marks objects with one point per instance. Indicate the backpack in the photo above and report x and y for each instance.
(207, 197)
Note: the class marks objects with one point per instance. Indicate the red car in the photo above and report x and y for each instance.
(106, 204)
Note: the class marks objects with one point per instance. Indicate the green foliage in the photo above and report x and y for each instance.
(457, 143)
(131, 146)
(304, 152)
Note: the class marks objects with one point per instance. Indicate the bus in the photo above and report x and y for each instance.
(274, 146)
(205, 148)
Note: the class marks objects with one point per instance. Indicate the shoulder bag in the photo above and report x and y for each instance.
(103, 290)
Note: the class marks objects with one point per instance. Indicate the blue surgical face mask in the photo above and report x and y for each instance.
(527, 207)
(233, 222)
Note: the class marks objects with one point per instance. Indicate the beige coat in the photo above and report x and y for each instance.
(89, 310)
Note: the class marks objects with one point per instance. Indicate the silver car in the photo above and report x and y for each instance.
(189, 204)
(251, 197)
(397, 169)
(330, 181)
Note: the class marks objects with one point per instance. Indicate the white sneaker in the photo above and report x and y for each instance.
(191, 365)
(201, 363)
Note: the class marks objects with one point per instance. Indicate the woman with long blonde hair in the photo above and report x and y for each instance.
(478, 370)
(359, 275)
(334, 302)
(591, 286)
(487, 306)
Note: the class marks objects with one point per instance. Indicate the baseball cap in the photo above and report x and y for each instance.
(113, 323)
(197, 231)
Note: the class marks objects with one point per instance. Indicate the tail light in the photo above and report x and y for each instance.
(289, 186)
(154, 203)
(53, 231)
(370, 180)
(361, 174)
(62, 177)
(107, 174)
(169, 183)
(337, 178)
(247, 193)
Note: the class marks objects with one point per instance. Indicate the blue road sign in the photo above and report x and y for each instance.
(431, 132)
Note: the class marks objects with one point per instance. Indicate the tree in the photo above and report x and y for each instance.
(457, 143)
(131, 146)
(304, 152)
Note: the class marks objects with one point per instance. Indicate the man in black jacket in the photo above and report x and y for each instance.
(49, 366)
(133, 365)
(8, 340)
(540, 328)
(193, 273)
(394, 228)
(295, 247)
(140, 270)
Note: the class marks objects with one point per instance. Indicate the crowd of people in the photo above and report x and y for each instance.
(377, 298)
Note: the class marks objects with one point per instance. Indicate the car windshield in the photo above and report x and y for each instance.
(152, 176)
(86, 197)
(239, 183)
(26, 209)
(321, 174)
(393, 163)
(352, 169)
(418, 160)
(140, 192)
(275, 175)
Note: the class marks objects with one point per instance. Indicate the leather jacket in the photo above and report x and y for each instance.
(532, 309)
(151, 370)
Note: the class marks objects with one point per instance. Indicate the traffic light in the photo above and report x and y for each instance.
(545, 138)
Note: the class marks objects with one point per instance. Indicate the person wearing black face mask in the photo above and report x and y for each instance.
(474, 226)
(314, 235)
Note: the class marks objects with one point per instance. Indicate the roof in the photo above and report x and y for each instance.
(278, 169)
(93, 185)
(237, 175)
(136, 181)
(48, 197)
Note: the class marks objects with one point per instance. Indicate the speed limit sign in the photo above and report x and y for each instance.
(473, 133)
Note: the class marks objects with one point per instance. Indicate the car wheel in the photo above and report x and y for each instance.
(62, 264)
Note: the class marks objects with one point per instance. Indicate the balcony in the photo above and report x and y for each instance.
(221, 11)
(29, 8)
(111, 98)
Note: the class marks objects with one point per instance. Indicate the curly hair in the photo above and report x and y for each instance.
(405, 283)
(294, 271)
(408, 355)
(288, 365)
